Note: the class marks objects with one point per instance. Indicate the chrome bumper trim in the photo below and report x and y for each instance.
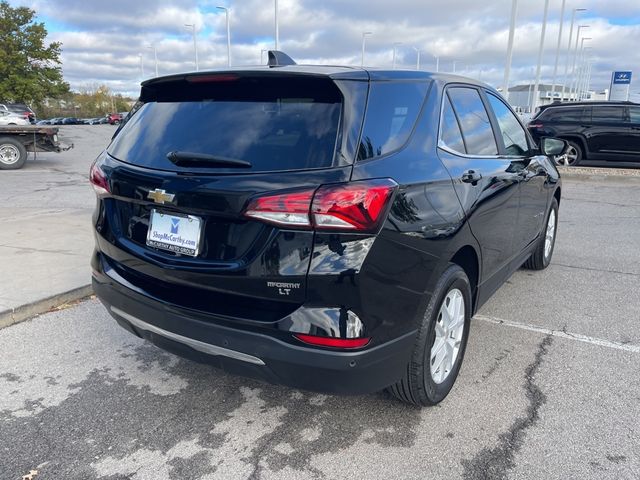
(195, 344)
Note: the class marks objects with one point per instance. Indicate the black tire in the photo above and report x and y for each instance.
(116, 122)
(13, 154)
(540, 258)
(418, 386)
(572, 157)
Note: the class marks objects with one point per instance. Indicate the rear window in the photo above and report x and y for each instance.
(273, 123)
(563, 114)
(608, 114)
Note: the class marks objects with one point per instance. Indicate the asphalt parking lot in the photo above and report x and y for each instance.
(550, 386)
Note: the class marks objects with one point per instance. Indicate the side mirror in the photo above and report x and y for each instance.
(553, 146)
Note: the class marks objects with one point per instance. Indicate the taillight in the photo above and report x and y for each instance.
(287, 209)
(332, 341)
(98, 180)
(357, 206)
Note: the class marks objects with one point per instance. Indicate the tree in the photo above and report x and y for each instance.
(30, 71)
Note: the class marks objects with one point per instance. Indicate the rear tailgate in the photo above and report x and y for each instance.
(291, 129)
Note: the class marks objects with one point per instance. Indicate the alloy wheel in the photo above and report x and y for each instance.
(449, 331)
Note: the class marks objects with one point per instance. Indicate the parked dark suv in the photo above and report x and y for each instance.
(328, 228)
(596, 131)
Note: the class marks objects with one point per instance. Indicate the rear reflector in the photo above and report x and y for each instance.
(357, 206)
(333, 342)
(98, 180)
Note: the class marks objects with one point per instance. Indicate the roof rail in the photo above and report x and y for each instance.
(279, 59)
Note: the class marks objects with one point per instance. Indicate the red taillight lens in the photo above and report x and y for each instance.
(357, 206)
(98, 180)
(287, 209)
(353, 206)
(333, 342)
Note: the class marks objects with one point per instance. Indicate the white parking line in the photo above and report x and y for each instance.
(562, 334)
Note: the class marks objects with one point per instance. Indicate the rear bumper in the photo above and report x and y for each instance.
(254, 353)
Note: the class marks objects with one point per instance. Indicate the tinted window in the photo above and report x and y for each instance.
(515, 140)
(392, 111)
(474, 121)
(450, 133)
(562, 114)
(274, 123)
(634, 113)
(607, 114)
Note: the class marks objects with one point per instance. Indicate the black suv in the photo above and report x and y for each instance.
(596, 131)
(328, 228)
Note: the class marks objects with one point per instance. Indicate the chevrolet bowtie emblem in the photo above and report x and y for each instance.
(160, 196)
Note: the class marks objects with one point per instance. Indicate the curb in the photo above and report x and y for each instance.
(600, 173)
(25, 312)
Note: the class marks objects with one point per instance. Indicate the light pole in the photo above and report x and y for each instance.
(226, 12)
(192, 26)
(417, 57)
(155, 56)
(582, 71)
(534, 100)
(566, 65)
(141, 67)
(277, 27)
(575, 57)
(364, 36)
(262, 55)
(555, 66)
(454, 66)
(507, 67)
(395, 48)
(437, 63)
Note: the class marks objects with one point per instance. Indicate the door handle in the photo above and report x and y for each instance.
(471, 176)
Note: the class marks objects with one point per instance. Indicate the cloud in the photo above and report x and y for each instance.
(103, 43)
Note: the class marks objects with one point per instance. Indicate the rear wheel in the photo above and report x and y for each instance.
(13, 154)
(572, 156)
(440, 344)
(541, 257)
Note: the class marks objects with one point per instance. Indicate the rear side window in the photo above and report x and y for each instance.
(450, 134)
(273, 123)
(515, 140)
(607, 114)
(568, 114)
(474, 121)
(634, 114)
(392, 112)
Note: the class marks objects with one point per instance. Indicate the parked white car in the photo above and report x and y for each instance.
(8, 118)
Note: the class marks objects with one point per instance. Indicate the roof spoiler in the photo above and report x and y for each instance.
(279, 59)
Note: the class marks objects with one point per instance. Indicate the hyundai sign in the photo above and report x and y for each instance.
(620, 83)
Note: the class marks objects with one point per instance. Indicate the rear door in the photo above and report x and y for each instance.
(293, 131)
(610, 133)
(634, 133)
(485, 181)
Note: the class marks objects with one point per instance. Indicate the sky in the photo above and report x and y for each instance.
(103, 41)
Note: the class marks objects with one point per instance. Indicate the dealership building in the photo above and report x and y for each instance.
(520, 96)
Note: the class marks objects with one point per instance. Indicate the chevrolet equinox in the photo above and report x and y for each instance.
(326, 228)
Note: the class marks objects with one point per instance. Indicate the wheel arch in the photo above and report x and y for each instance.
(557, 195)
(468, 259)
(582, 143)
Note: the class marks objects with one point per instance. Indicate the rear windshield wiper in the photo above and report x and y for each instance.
(192, 159)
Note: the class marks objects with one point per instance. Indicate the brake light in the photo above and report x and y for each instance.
(211, 78)
(98, 180)
(332, 341)
(288, 209)
(356, 206)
